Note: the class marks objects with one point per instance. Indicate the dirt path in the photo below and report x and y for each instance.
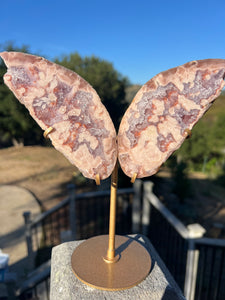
(43, 171)
(31, 179)
(13, 202)
(25, 172)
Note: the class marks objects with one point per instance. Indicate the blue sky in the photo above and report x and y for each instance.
(140, 38)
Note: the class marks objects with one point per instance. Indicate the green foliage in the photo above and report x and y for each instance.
(205, 150)
(221, 178)
(196, 147)
(182, 184)
(17, 124)
(10, 46)
(109, 84)
(217, 134)
(15, 121)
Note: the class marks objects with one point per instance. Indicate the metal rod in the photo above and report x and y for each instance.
(112, 217)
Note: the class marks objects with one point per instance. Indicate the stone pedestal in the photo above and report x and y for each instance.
(158, 285)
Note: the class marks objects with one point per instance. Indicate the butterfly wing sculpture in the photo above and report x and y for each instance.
(60, 100)
(164, 111)
(155, 124)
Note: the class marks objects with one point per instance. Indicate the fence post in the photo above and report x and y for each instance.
(136, 207)
(72, 210)
(148, 185)
(195, 231)
(28, 235)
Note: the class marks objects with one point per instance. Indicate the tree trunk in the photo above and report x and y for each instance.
(17, 143)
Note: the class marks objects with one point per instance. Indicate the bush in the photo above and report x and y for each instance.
(182, 184)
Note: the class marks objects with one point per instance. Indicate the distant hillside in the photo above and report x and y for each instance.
(131, 91)
(218, 107)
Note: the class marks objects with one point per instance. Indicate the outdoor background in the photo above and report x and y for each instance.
(117, 46)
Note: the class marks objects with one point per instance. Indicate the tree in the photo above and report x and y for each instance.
(197, 146)
(217, 134)
(182, 184)
(109, 84)
(16, 125)
(207, 143)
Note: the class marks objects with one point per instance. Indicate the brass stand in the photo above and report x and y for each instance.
(111, 262)
(110, 257)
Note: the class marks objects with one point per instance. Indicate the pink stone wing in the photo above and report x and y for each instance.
(59, 98)
(163, 111)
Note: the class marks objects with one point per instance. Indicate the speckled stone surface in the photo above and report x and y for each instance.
(159, 284)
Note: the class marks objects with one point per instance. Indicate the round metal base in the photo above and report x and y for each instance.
(90, 265)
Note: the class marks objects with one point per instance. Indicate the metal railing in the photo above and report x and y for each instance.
(37, 285)
(79, 216)
(211, 269)
(196, 263)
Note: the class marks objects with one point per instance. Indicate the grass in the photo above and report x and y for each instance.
(42, 170)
